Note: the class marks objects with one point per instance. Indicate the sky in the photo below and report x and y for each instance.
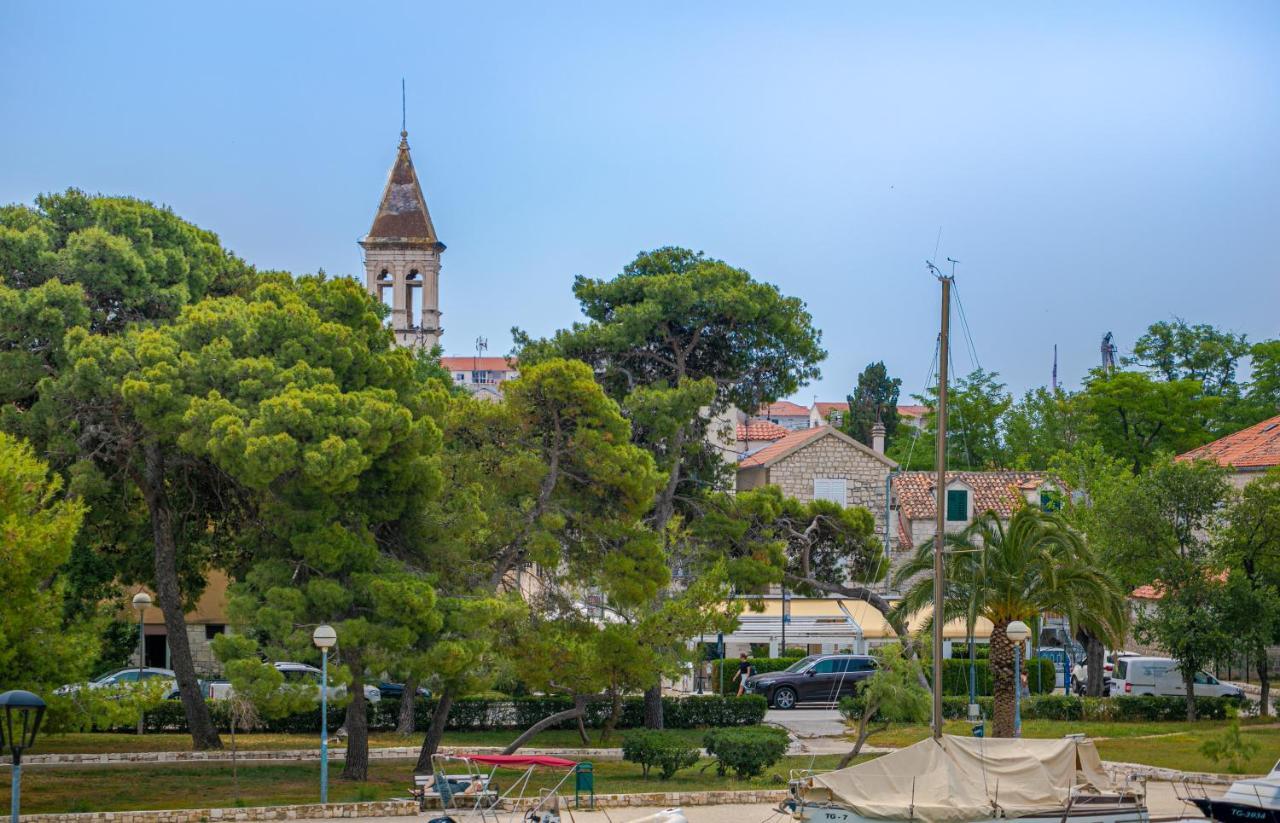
(1093, 166)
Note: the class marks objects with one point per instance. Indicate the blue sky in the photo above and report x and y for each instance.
(1095, 166)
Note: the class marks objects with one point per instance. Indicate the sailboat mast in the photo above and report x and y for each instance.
(939, 584)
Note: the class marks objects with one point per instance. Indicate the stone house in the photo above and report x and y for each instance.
(968, 495)
(823, 463)
(205, 621)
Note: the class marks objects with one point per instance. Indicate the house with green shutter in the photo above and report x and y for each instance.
(968, 495)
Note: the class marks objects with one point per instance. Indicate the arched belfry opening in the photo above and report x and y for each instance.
(402, 256)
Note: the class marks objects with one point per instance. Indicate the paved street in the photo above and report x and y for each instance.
(808, 723)
(1161, 800)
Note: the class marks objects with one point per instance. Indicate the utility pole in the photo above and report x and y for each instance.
(939, 584)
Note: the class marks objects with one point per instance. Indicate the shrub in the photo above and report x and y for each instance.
(747, 751)
(651, 748)
(1063, 707)
(955, 676)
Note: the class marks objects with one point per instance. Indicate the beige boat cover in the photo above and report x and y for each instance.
(965, 779)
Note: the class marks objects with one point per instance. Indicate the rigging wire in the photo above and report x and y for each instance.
(964, 430)
(964, 324)
(928, 381)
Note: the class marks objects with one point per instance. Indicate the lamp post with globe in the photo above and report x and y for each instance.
(324, 637)
(141, 601)
(22, 712)
(1017, 632)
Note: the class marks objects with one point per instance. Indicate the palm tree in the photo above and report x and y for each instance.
(1005, 572)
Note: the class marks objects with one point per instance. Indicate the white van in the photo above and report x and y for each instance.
(1160, 676)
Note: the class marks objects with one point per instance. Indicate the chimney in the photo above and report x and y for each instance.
(877, 438)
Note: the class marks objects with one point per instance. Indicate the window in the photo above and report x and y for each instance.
(1205, 679)
(212, 630)
(862, 664)
(130, 676)
(828, 666)
(460, 377)
(1050, 500)
(830, 488)
(957, 505)
(413, 299)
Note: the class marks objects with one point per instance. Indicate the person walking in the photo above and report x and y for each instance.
(743, 672)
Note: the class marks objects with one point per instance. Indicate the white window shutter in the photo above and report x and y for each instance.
(830, 488)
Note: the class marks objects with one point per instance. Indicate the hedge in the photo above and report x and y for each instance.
(1145, 708)
(482, 714)
(747, 751)
(955, 676)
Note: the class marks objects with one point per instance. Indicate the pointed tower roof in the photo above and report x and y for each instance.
(402, 215)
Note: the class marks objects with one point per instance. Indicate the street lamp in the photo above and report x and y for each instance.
(324, 637)
(141, 601)
(27, 710)
(1017, 632)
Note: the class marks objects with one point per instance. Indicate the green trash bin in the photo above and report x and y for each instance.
(584, 782)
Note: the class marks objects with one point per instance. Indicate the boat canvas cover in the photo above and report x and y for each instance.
(965, 779)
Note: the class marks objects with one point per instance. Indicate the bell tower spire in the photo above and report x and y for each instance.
(402, 253)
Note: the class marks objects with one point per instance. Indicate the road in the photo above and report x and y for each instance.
(1162, 802)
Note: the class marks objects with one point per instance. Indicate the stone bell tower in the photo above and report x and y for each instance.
(402, 256)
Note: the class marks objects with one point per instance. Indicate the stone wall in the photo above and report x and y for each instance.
(202, 658)
(831, 457)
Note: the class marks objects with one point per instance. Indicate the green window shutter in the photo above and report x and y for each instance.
(957, 505)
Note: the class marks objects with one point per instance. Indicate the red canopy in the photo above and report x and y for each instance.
(520, 760)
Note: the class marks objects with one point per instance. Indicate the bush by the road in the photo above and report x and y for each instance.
(1146, 708)
(667, 751)
(482, 714)
(747, 751)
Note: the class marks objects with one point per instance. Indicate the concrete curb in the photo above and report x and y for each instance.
(286, 755)
(397, 808)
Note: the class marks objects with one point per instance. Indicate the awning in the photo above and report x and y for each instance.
(520, 760)
(833, 619)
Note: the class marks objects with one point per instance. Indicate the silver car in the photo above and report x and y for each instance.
(125, 678)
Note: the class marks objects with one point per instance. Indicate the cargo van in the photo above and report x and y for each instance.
(1160, 676)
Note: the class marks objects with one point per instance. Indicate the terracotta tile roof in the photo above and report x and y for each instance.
(761, 430)
(1257, 447)
(780, 447)
(799, 439)
(825, 408)
(402, 215)
(464, 363)
(904, 534)
(1155, 591)
(913, 411)
(784, 408)
(998, 491)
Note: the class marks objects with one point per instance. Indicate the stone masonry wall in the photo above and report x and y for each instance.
(830, 457)
(205, 663)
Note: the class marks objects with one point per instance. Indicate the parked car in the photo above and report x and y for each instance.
(124, 677)
(294, 673)
(394, 691)
(818, 678)
(1161, 676)
(1080, 675)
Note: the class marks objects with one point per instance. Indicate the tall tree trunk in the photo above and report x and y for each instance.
(578, 710)
(615, 713)
(1189, 684)
(169, 598)
(357, 723)
(1264, 680)
(1094, 661)
(653, 718)
(1002, 681)
(405, 722)
(864, 731)
(435, 732)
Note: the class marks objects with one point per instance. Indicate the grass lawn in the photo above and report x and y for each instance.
(104, 742)
(61, 789)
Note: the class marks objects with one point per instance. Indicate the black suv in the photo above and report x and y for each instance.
(818, 678)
